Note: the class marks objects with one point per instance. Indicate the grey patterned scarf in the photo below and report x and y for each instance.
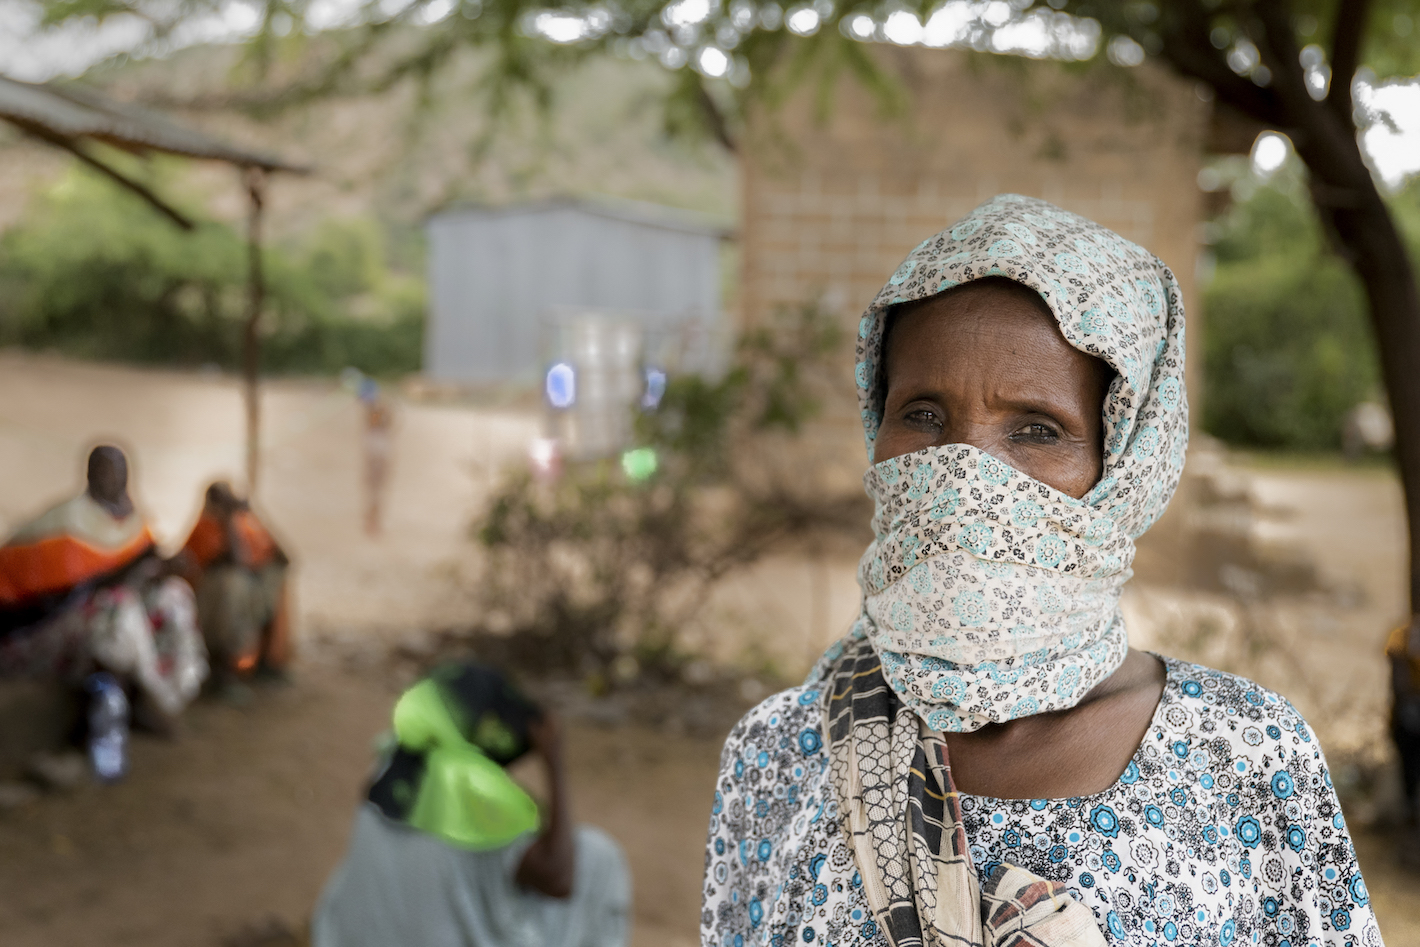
(902, 815)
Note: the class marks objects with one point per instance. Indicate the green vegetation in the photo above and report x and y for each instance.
(1289, 348)
(596, 565)
(93, 272)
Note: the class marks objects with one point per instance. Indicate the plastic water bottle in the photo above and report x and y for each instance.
(108, 727)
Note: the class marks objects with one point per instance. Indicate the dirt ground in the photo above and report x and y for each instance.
(244, 816)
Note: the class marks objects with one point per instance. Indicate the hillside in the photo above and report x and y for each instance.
(396, 158)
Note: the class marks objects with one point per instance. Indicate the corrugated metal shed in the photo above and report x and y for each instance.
(71, 112)
(500, 276)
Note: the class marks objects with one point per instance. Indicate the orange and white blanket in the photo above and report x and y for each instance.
(73, 594)
(71, 545)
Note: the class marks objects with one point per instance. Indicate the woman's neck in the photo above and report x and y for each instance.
(1064, 753)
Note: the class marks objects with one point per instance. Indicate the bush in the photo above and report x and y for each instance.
(1287, 337)
(598, 566)
(93, 272)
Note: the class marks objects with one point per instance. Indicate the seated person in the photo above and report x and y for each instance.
(82, 586)
(447, 850)
(239, 572)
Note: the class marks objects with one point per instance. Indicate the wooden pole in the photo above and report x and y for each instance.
(255, 181)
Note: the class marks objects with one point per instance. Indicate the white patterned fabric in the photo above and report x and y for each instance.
(1224, 830)
(151, 635)
(990, 595)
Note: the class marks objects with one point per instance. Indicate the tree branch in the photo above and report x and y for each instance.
(137, 187)
(1278, 46)
(1325, 138)
(1346, 41)
(1186, 46)
(715, 118)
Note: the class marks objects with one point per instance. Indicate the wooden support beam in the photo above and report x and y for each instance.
(109, 171)
(254, 180)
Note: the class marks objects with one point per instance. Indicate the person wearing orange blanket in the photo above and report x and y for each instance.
(239, 572)
(82, 586)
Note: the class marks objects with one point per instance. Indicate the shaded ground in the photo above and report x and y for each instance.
(1324, 583)
(245, 815)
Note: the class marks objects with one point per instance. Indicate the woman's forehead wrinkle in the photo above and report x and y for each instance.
(1010, 352)
(1108, 298)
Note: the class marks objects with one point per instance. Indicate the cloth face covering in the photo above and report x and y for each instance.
(987, 595)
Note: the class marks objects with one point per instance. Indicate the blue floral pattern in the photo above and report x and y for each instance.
(1223, 829)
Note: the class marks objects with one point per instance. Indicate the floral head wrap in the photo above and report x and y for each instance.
(988, 595)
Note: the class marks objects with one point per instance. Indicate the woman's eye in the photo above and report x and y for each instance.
(1041, 433)
(922, 417)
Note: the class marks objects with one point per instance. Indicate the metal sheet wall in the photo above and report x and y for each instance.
(496, 276)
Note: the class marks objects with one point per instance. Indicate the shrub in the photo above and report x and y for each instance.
(597, 565)
(1287, 338)
(93, 272)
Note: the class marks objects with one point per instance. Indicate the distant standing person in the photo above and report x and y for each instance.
(239, 572)
(82, 588)
(379, 422)
(448, 850)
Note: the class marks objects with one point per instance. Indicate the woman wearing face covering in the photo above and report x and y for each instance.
(983, 759)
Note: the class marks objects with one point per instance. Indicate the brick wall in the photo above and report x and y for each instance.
(831, 208)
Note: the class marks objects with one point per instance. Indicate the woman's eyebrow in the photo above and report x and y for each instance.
(1007, 394)
(1035, 403)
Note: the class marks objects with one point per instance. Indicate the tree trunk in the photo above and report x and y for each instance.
(1367, 235)
(1352, 211)
(1358, 223)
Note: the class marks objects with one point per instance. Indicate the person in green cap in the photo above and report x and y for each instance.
(448, 850)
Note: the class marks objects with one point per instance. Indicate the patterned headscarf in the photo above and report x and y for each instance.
(988, 595)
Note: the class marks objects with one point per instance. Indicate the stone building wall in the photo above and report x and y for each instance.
(832, 206)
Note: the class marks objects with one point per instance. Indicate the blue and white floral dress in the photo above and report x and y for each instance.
(1224, 829)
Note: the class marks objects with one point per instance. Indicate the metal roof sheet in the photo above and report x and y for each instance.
(74, 112)
(637, 212)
